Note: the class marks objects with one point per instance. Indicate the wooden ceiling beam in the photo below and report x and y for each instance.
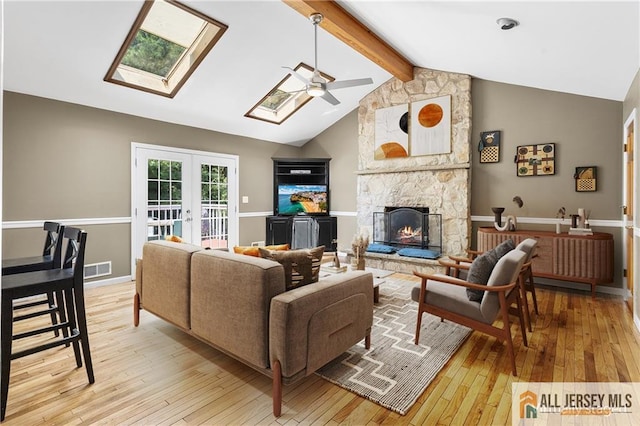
(345, 27)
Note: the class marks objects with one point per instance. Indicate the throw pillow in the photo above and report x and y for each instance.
(479, 273)
(504, 247)
(301, 267)
(253, 250)
(173, 238)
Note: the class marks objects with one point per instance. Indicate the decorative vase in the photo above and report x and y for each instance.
(360, 263)
(497, 211)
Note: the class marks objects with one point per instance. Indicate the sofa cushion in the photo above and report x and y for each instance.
(254, 250)
(166, 280)
(479, 273)
(301, 267)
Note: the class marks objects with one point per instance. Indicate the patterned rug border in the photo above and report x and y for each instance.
(360, 371)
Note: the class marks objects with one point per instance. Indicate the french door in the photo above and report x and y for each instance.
(632, 230)
(188, 194)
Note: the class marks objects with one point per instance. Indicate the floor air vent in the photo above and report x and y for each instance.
(97, 269)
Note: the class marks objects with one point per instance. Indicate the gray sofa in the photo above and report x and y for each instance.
(238, 305)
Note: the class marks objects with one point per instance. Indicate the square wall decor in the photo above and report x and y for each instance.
(586, 178)
(431, 126)
(536, 160)
(489, 146)
(392, 128)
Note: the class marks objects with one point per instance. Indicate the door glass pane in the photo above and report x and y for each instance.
(214, 226)
(164, 210)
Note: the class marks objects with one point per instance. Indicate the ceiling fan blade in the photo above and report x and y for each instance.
(330, 98)
(296, 75)
(348, 83)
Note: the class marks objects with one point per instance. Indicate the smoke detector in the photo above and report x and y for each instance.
(507, 23)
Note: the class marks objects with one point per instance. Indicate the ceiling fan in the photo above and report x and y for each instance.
(317, 86)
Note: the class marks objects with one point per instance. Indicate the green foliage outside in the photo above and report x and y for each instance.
(275, 99)
(165, 182)
(153, 54)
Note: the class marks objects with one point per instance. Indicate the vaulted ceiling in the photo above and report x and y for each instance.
(62, 50)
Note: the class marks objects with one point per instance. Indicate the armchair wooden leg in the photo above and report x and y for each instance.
(418, 325)
(532, 289)
(277, 388)
(367, 341)
(507, 332)
(525, 305)
(522, 330)
(136, 309)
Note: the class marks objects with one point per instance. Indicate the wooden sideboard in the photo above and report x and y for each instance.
(579, 258)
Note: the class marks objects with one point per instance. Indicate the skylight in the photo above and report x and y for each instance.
(165, 45)
(285, 98)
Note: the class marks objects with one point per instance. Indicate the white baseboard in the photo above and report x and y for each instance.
(109, 281)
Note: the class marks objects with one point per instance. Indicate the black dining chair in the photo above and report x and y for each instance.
(68, 280)
(51, 254)
(51, 258)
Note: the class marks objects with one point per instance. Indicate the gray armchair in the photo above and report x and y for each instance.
(446, 297)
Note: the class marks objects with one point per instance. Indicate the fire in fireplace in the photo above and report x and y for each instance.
(407, 227)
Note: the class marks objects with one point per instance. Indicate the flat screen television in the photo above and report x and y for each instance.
(309, 199)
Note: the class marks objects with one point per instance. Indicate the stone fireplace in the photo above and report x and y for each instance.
(440, 182)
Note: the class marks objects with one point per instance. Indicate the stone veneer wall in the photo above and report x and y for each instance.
(440, 182)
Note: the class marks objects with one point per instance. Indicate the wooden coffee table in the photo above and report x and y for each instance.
(376, 281)
(376, 289)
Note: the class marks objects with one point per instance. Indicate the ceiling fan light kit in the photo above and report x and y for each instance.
(317, 86)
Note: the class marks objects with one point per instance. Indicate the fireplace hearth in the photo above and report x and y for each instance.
(408, 227)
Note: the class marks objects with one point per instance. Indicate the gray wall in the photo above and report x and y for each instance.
(587, 132)
(340, 143)
(66, 161)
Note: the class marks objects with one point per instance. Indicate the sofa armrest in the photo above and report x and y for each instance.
(311, 325)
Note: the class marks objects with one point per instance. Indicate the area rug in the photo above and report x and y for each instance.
(394, 371)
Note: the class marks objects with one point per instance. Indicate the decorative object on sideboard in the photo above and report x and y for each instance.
(510, 224)
(535, 160)
(489, 146)
(560, 215)
(586, 179)
(497, 215)
(580, 223)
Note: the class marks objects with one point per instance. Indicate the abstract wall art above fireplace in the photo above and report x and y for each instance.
(391, 132)
(431, 126)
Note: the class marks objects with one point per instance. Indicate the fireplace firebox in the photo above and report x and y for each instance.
(408, 227)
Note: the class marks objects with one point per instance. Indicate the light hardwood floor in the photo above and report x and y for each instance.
(158, 375)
